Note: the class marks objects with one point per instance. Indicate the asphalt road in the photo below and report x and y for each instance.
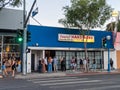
(89, 82)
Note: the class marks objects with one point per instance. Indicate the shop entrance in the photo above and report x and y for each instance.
(32, 62)
(49, 53)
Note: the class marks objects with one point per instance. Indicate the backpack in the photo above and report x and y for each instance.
(81, 61)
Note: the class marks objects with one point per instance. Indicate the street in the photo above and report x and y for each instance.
(89, 82)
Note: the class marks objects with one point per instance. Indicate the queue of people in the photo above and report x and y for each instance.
(51, 64)
(85, 65)
(10, 66)
(47, 65)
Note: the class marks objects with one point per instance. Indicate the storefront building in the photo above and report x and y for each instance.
(53, 41)
(10, 21)
(62, 42)
(117, 48)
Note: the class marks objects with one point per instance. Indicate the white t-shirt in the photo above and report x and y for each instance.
(84, 62)
(45, 60)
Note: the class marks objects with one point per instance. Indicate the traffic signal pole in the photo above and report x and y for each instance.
(24, 62)
(25, 20)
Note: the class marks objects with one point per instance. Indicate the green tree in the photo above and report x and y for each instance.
(85, 15)
(111, 26)
(4, 3)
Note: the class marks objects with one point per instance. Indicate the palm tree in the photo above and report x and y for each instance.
(111, 26)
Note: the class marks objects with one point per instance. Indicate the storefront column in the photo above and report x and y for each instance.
(29, 62)
(43, 54)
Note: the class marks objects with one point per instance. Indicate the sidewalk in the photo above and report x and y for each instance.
(93, 73)
(40, 75)
(61, 74)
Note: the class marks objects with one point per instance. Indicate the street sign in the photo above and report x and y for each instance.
(35, 12)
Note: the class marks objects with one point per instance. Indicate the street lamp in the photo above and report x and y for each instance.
(108, 44)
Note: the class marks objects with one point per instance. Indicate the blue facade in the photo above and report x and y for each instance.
(48, 37)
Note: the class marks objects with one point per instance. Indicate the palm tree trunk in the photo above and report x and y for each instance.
(85, 47)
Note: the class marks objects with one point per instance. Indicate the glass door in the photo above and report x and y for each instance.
(69, 55)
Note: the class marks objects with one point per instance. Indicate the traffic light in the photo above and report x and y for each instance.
(28, 36)
(104, 42)
(19, 35)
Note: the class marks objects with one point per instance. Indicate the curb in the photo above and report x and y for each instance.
(46, 75)
(29, 76)
(92, 73)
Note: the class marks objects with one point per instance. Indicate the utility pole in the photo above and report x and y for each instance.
(24, 62)
(25, 20)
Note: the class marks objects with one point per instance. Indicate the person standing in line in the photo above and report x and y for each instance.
(43, 66)
(50, 64)
(19, 65)
(63, 65)
(72, 65)
(61, 60)
(40, 66)
(81, 65)
(55, 64)
(111, 63)
(94, 65)
(46, 64)
(4, 71)
(13, 67)
(75, 64)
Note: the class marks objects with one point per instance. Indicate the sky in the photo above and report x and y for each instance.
(50, 11)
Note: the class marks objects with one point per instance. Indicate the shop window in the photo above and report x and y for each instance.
(9, 39)
(11, 48)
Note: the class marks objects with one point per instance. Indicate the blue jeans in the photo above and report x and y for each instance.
(19, 68)
(94, 66)
(50, 67)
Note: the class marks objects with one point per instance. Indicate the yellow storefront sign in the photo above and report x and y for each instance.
(76, 38)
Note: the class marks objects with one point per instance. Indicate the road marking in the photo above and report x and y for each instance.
(101, 88)
(43, 79)
(75, 85)
(48, 81)
(64, 83)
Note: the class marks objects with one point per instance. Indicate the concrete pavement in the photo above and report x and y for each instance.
(39, 75)
(60, 74)
(93, 73)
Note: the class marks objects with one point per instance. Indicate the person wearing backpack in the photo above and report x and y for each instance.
(111, 63)
(81, 65)
(63, 65)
